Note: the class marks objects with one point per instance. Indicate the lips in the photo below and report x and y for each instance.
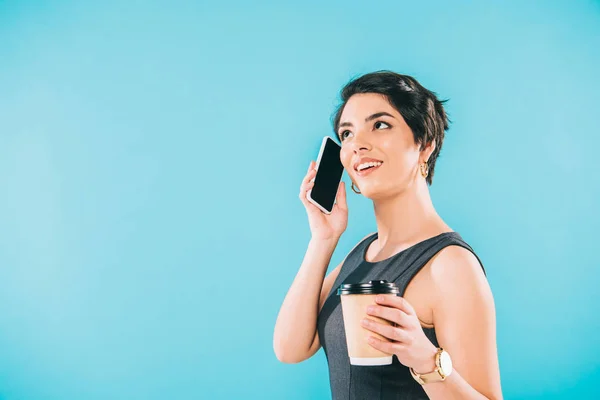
(367, 171)
(363, 160)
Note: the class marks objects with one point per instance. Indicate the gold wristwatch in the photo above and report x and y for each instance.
(443, 369)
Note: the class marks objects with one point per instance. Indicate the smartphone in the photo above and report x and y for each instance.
(328, 178)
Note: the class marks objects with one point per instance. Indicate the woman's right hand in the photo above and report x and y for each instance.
(324, 226)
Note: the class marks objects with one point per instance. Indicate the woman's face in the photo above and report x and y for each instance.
(366, 133)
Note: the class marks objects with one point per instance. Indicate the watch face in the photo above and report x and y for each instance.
(446, 363)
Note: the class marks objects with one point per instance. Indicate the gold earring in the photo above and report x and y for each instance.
(424, 169)
(355, 189)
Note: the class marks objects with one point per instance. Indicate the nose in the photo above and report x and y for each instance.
(360, 143)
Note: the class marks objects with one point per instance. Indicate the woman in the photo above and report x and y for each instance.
(391, 131)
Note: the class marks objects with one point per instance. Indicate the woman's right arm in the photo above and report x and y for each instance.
(304, 335)
(295, 330)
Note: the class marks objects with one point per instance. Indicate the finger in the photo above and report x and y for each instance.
(306, 186)
(391, 314)
(311, 166)
(397, 302)
(306, 182)
(309, 176)
(304, 190)
(388, 331)
(313, 175)
(341, 196)
(310, 207)
(384, 346)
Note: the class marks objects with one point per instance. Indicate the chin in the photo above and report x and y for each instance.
(380, 192)
(374, 192)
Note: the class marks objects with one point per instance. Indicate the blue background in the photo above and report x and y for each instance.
(150, 160)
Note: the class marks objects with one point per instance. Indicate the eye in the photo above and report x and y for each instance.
(342, 137)
(342, 134)
(381, 122)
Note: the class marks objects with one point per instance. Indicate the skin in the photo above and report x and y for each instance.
(451, 292)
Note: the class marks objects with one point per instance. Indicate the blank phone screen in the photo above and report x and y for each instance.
(329, 174)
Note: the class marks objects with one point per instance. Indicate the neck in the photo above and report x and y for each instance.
(407, 217)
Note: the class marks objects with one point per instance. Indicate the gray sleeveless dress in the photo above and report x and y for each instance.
(384, 382)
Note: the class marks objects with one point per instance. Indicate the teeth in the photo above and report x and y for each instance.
(367, 165)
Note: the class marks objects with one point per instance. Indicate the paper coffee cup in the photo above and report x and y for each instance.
(355, 298)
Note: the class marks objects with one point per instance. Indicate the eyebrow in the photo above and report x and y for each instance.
(369, 118)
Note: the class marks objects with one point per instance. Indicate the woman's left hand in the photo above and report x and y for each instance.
(407, 339)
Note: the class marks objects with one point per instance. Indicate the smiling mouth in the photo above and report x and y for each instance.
(364, 170)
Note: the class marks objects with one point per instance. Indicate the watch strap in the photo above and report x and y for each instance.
(435, 376)
(429, 377)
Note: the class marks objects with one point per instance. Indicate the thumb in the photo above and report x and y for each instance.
(341, 196)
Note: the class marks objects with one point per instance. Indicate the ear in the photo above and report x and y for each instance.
(427, 151)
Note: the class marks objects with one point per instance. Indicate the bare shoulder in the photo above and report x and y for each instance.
(457, 263)
(455, 271)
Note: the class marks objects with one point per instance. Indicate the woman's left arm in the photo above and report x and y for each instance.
(465, 324)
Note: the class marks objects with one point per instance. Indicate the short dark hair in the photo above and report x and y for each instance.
(421, 109)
